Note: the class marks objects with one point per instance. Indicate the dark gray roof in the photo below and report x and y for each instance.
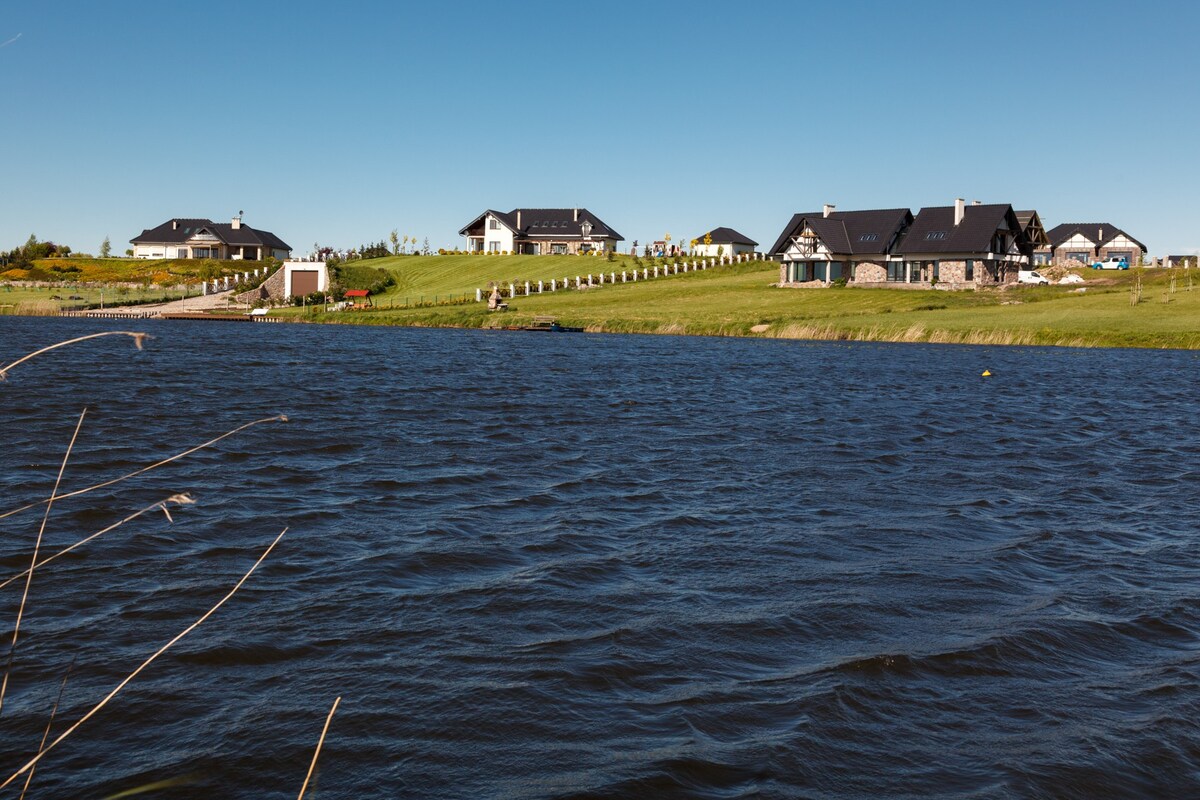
(727, 236)
(549, 223)
(1099, 233)
(933, 230)
(869, 232)
(187, 228)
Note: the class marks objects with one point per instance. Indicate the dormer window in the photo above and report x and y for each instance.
(869, 237)
(494, 224)
(935, 236)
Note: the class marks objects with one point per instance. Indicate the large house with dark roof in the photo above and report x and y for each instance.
(957, 246)
(1088, 242)
(829, 245)
(540, 231)
(966, 245)
(203, 238)
(722, 242)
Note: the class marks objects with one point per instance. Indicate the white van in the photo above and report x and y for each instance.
(1031, 276)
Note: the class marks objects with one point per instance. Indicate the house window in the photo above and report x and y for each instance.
(935, 266)
(934, 236)
(494, 224)
(869, 237)
(558, 249)
(493, 247)
(895, 271)
(1081, 256)
(970, 273)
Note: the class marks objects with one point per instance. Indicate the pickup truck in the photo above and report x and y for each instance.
(1112, 262)
(1032, 276)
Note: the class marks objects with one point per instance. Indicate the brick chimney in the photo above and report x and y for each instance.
(174, 224)
(236, 223)
(976, 202)
(827, 210)
(960, 210)
(518, 220)
(577, 215)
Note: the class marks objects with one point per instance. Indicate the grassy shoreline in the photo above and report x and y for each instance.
(739, 301)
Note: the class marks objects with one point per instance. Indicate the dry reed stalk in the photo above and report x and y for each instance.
(49, 724)
(164, 462)
(12, 649)
(138, 338)
(95, 709)
(175, 499)
(317, 753)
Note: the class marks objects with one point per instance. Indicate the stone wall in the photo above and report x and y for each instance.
(270, 290)
(870, 272)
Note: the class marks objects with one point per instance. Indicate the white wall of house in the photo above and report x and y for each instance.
(710, 250)
(291, 267)
(153, 251)
(1078, 242)
(496, 235)
(793, 253)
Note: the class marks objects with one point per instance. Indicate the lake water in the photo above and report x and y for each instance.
(575, 566)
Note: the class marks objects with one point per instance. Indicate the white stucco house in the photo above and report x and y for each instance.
(539, 231)
(726, 240)
(203, 238)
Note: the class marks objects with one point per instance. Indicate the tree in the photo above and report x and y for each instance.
(425, 247)
(105, 248)
(395, 238)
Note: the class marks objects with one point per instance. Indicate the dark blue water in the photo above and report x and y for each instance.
(541, 566)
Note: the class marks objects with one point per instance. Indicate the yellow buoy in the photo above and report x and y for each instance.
(987, 373)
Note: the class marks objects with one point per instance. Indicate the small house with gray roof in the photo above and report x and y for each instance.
(829, 245)
(1088, 242)
(540, 231)
(203, 238)
(722, 242)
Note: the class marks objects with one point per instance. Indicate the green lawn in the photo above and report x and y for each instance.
(446, 276)
(739, 301)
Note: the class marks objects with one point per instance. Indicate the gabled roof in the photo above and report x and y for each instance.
(869, 232)
(726, 236)
(185, 229)
(1031, 223)
(548, 223)
(1098, 233)
(933, 230)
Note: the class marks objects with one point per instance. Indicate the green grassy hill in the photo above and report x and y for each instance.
(164, 272)
(431, 276)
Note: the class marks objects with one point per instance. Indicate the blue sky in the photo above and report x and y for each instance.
(339, 122)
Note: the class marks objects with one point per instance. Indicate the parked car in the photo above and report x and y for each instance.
(1031, 276)
(1112, 262)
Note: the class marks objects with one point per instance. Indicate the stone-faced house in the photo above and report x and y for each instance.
(203, 238)
(1088, 242)
(726, 240)
(829, 244)
(963, 246)
(540, 231)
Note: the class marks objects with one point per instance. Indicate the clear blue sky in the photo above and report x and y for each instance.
(336, 122)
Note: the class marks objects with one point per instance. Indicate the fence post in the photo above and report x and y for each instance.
(526, 288)
(539, 287)
(512, 290)
(478, 295)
